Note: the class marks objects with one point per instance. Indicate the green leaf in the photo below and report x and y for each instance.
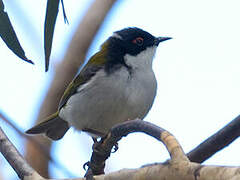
(9, 36)
(50, 21)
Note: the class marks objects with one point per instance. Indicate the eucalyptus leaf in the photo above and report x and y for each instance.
(50, 21)
(9, 36)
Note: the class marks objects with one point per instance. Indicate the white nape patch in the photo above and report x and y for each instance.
(116, 36)
(143, 59)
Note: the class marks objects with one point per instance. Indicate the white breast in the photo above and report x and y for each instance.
(142, 85)
(110, 99)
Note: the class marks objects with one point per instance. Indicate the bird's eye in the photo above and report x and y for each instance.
(138, 41)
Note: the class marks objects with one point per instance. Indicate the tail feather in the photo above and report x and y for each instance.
(53, 127)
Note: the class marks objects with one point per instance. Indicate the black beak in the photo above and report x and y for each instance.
(161, 39)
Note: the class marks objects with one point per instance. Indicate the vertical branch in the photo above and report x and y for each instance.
(65, 72)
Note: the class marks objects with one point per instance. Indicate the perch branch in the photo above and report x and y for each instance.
(178, 168)
(102, 149)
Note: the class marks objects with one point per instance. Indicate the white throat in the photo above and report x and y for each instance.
(142, 60)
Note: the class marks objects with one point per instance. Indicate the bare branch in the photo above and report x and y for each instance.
(102, 149)
(177, 168)
(216, 142)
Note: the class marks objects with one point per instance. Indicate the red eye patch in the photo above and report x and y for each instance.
(138, 41)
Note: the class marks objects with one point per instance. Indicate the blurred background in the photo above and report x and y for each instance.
(197, 71)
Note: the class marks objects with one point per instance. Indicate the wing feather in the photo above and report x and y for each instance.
(96, 63)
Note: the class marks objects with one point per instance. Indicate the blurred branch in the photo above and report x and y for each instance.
(36, 143)
(66, 70)
(216, 142)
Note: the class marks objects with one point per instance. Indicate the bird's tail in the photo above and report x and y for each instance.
(53, 127)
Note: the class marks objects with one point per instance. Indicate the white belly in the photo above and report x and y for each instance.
(108, 100)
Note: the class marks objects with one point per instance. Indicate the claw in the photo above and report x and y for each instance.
(86, 165)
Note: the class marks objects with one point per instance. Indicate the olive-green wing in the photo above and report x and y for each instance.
(94, 64)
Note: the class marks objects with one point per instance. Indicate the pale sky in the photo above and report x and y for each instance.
(197, 73)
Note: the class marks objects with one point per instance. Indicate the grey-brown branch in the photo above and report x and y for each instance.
(102, 149)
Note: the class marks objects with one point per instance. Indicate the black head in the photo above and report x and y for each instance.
(130, 41)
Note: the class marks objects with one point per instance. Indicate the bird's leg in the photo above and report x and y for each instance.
(87, 166)
(95, 143)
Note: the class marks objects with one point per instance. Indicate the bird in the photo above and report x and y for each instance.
(117, 84)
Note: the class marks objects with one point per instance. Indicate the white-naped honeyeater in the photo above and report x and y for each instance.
(117, 84)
